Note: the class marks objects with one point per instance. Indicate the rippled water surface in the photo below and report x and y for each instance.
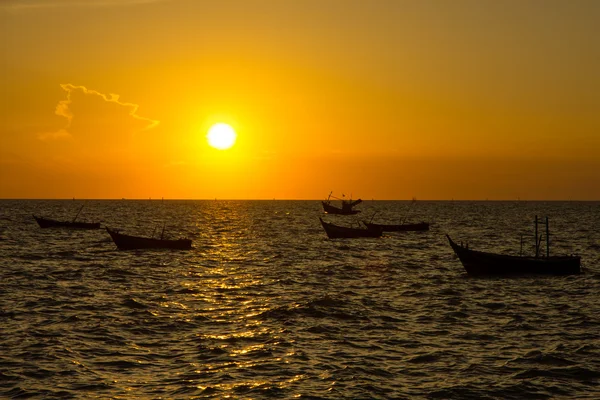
(265, 306)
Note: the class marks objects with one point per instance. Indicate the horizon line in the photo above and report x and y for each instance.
(281, 199)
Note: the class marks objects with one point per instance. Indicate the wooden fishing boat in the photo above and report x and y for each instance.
(128, 242)
(336, 231)
(52, 223)
(421, 226)
(484, 263)
(346, 209)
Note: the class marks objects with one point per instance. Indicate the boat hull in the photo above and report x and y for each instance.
(128, 242)
(342, 232)
(330, 209)
(422, 226)
(52, 223)
(481, 263)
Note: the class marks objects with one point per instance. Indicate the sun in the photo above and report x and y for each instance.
(221, 136)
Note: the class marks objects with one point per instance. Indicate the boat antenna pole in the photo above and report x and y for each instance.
(414, 200)
(77, 215)
(547, 238)
(373, 216)
(537, 246)
(521, 252)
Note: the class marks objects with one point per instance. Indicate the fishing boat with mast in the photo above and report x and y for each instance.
(347, 207)
(334, 231)
(129, 242)
(44, 222)
(480, 263)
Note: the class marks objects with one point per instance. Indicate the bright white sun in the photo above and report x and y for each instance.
(221, 136)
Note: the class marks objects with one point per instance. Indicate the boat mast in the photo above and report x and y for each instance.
(77, 215)
(521, 251)
(537, 246)
(547, 238)
(414, 200)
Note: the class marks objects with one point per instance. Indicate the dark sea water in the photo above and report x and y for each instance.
(265, 306)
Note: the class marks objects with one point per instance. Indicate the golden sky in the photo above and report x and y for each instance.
(384, 99)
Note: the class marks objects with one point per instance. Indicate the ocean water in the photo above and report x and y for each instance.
(266, 307)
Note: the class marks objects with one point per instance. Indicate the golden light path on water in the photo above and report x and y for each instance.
(265, 306)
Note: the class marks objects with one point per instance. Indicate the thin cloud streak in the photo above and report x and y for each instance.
(61, 134)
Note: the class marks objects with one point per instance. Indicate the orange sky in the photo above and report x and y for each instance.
(384, 99)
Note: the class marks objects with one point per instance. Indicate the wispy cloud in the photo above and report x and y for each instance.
(24, 5)
(63, 109)
(60, 134)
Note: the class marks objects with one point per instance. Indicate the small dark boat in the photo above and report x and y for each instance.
(421, 226)
(52, 223)
(336, 231)
(346, 209)
(483, 263)
(128, 242)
